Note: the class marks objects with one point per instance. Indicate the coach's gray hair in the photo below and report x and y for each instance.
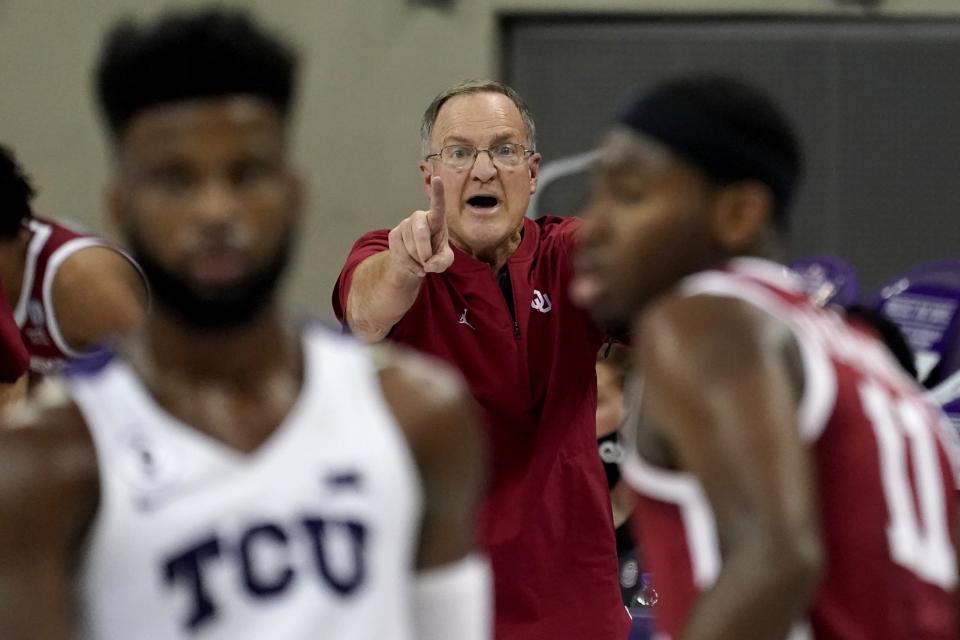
(468, 88)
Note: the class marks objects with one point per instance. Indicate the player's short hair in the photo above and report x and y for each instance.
(185, 55)
(16, 192)
(730, 129)
(470, 87)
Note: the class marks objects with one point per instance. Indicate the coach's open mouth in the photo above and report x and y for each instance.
(483, 204)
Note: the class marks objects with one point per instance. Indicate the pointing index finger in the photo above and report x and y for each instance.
(437, 215)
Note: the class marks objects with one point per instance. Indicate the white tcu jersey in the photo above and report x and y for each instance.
(312, 536)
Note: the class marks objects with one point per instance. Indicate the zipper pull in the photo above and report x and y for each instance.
(516, 329)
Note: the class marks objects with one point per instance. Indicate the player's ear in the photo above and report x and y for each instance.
(742, 213)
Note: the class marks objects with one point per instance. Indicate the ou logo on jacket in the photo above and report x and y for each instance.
(541, 302)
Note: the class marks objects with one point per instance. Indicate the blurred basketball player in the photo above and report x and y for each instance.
(70, 292)
(794, 480)
(232, 476)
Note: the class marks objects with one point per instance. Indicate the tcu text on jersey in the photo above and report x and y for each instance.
(186, 569)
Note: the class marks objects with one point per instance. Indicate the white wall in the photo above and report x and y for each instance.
(370, 68)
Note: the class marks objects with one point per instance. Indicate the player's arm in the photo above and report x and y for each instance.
(386, 285)
(452, 591)
(722, 383)
(97, 295)
(11, 394)
(48, 495)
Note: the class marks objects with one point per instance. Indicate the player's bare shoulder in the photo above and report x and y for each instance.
(101, 273)
(427, 397)
(703, 334)
(48, 463)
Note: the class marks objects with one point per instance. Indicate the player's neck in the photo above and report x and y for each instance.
(767, 246)
(234, 355)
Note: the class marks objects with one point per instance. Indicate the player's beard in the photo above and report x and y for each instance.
(223, 308)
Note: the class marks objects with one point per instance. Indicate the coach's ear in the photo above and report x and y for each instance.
(742, 214)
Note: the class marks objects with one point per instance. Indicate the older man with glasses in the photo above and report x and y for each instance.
(474, 282)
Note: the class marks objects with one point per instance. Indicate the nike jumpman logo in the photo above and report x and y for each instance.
(463, 320)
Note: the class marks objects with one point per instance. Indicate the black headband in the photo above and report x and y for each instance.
(711, 143)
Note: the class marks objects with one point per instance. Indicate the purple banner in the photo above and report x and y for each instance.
(828, 280)
(924, 303)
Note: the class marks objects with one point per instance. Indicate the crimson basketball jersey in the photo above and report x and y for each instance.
(49, 247)
(884, 469)
(14, 359)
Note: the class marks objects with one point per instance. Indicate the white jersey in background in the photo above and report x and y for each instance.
(311, 536)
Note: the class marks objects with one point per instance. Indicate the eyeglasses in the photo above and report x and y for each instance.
(462, 156)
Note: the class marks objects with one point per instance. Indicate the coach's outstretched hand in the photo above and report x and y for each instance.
(420, 243)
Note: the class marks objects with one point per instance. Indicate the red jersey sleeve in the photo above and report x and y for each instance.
(14, 357)
(369, 244)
